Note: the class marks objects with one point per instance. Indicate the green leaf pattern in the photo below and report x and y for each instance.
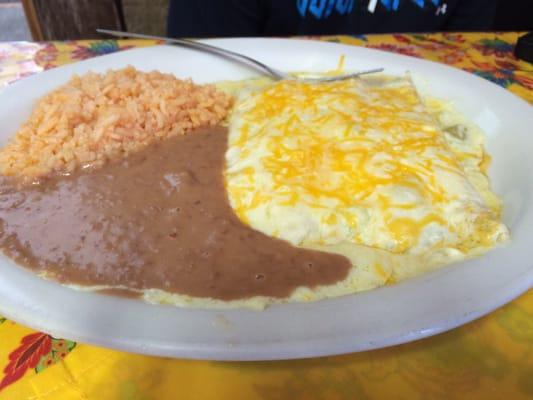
(60, 349)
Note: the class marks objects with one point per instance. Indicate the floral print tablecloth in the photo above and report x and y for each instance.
(491, 358)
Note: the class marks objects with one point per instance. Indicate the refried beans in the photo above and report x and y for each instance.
(158, 219)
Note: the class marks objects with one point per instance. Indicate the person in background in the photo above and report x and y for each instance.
(226, 18)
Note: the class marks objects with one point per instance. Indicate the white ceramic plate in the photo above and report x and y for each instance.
(413, 309)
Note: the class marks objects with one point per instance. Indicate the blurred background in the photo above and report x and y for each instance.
(78, 19)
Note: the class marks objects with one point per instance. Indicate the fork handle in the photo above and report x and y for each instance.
(200, 46)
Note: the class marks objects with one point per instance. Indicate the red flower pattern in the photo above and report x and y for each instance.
(405, 50)
(46, 56)
(26, 356)
(524, 80)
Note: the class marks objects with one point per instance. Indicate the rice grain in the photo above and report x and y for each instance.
(97, 117)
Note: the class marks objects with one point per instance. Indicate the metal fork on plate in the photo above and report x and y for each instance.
(275, 73)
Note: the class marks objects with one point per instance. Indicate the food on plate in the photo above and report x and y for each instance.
(160, 220)
(365, 169)
(97, 117)
(247, 193)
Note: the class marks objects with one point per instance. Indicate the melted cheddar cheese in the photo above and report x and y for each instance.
(360, 163)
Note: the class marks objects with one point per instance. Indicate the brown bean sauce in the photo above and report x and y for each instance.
(157, 219)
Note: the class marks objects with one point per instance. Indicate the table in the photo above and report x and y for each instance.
(491, 358)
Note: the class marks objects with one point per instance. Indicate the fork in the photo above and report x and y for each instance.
(275, 73)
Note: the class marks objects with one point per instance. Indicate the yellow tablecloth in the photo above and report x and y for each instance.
(491, 358)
